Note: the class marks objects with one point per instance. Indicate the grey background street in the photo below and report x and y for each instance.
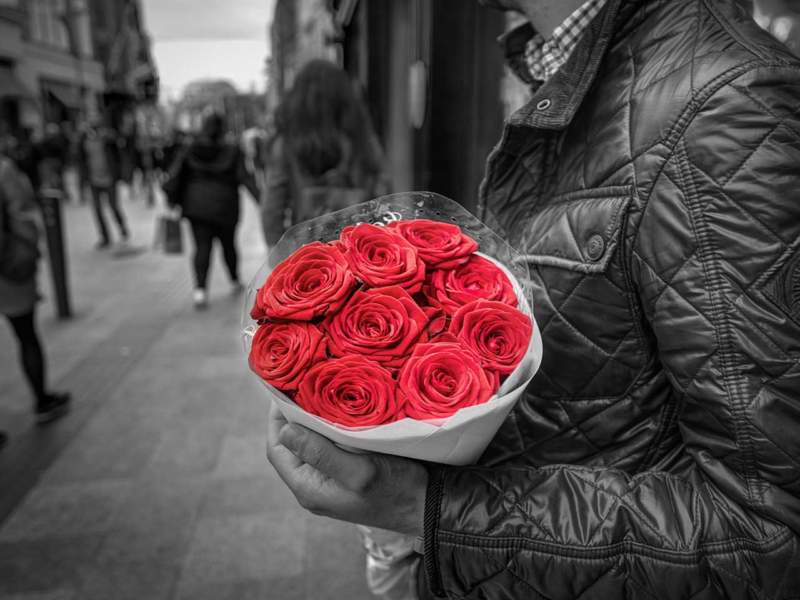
(157, 485)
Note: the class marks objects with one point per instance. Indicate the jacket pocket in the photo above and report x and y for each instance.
(579, 231)
(588, 319)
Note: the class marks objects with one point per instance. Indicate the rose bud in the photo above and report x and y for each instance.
(381, 258)
(498, 333)
(281, 353)
(441, 378)
(440, 245)
(312, 282)
(381, 324)
(351, 391)
(477, 279)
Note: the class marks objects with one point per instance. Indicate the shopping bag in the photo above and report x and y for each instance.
(169, 236)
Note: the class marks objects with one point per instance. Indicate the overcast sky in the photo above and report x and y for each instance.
(195, 39)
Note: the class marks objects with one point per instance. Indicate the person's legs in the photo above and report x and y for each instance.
(97, 205)
(227, 238)
(203, 235)
(48, 406)
(113, 202)
(30, 353)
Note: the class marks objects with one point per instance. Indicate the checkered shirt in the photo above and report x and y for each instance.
(545, 57)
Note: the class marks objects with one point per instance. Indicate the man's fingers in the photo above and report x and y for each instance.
(311, 448)
(274, 423)
(280, 456)
(290, 446)
(352, 471)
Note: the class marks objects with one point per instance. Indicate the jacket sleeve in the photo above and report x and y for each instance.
(277, 198)
(715, 261)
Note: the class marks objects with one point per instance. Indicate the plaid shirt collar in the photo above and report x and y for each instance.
(544, 57)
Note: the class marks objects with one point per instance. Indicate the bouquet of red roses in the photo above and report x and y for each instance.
(396, 326)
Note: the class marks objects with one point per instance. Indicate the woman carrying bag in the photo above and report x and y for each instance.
(204, 182)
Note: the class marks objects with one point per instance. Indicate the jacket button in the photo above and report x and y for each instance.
(543, 104)
(595, 247)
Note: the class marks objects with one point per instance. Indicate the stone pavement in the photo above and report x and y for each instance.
(156, 486)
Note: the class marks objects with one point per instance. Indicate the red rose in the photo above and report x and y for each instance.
(381, 324)
(440, 378)
(498, 333)
(439, 245)
(477, 279)
(351, 391)
(313, 281)
(382, 258)
(282, 352)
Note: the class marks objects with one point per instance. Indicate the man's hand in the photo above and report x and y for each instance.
(370, 489)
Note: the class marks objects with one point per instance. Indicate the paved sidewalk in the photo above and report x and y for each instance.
(156, 486)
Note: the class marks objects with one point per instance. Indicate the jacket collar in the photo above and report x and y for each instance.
(555, 103)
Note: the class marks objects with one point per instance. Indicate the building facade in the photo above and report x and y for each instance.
(121, 43)
(242, 110)
(48, 71)
(430, 71)
(301, 30)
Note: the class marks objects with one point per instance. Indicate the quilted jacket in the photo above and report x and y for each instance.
(654, 186)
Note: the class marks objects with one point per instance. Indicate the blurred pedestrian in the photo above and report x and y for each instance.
(325, 155)
(81, 164)
(21, 149)
(102, 164)
(147, 153)
(204, 182)
(128, 153)
(75, 168)
(51, 155)
(19, 257)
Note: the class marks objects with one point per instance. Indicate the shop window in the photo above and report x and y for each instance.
(48, 22)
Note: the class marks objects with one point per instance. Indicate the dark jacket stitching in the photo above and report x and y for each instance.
(433, 508)
(627, 547)
(707, 253)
